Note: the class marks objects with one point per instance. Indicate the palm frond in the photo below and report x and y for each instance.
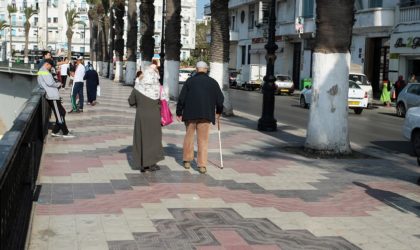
(3, 25)
(11, 9)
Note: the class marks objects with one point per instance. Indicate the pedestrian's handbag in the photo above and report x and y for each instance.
(98, 90)
(165, 112)
(393, 94)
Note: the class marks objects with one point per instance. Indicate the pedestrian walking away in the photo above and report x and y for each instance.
(64, 68)
(386, 93)
(77, 89)
(92, 83)
(47, 82)
(200, 103)
(399, 86)
(147, 136)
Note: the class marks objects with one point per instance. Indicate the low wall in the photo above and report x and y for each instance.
(15, 90)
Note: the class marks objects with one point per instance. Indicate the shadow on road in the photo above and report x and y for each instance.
(389, 114)
(397, 147)
(394, 200)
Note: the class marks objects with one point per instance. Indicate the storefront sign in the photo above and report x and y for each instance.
(405, 43)
(264, 40)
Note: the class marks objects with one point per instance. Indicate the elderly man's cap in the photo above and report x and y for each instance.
(202, 64)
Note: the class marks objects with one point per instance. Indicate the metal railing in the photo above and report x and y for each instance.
(20, 155)
(409, 14)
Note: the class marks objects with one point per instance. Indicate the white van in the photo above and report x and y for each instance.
(361, 79)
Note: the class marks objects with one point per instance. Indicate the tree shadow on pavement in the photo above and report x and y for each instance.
(394, 200)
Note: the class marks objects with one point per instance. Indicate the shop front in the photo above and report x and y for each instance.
(405, 54)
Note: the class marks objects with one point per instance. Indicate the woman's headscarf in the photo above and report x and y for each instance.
(149, 84)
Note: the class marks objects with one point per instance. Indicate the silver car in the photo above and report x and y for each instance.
(409, 97)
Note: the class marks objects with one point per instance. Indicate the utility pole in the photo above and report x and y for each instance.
(267, 121)
(162, 43)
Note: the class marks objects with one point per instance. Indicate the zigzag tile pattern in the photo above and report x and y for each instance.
(94, 197)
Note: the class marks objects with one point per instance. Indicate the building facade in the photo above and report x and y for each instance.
(377, 22)
(48, 26)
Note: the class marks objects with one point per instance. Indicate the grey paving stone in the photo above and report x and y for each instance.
(103, 188)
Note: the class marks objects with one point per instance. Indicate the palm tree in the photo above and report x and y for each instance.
(29, 12)
(11, 9)
(147, 30)
(100, 13)
(331, 62)
(3, 25)
(130, 70)
(71, 19)
(119, 8)
(220, 49)
(93, 29)
(173, 48)
(111, 40)
(105, 37)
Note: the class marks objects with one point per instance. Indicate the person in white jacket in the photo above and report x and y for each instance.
(47, 82)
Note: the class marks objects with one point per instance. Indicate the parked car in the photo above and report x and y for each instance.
(357, 99)
(284, 84)
(411, 128)
(364, 83)
(185, 73)
(409, 97)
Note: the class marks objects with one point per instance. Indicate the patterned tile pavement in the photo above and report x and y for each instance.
(94, 197)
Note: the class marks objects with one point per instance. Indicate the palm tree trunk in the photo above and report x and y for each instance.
(11, 42)
(119, 40)
(111, 41)
(93, 28)
(105, 35)
(69, 35)
(147, 30)
(130, 70)
(220, 50)
(99, 52)
(331, 62)
(173, 48)
(27, 27)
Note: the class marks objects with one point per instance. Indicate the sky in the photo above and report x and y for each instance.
(200, 7)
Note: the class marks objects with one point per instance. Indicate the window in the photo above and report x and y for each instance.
(14, 20)
(243, 54)
(249, 54)
(414, 89)
(232, 24)
(2, 17)
(407, 3)
(308, 8)
(49, 20)
(375, 3)
(82, 49)
(55, 19)
(251, 17)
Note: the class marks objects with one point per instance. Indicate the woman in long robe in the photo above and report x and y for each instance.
(92, 83)
(147, 138)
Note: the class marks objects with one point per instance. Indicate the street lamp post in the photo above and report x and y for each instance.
(267, 121)
(84, 37)
(162, 43)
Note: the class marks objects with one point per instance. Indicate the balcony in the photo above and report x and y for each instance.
(409, 14)
(237, 3)
(287, 27)
(233, 36)
(374, 20)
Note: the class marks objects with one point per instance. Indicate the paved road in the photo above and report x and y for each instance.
(377, 127)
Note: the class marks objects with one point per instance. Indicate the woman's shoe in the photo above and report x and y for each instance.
(202, 170)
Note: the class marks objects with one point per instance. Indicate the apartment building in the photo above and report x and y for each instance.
(48, 26)
(295, 33)
(188, 17)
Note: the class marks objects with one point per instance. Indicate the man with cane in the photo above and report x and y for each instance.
(199, 104)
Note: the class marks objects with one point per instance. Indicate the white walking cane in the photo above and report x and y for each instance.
(220, 144)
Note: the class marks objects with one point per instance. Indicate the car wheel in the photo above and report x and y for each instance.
(302, 102)
(401, 110)
(358, 111)
(415, 141)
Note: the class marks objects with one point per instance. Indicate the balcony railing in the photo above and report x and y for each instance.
(409, 14)
(20, 155)
(374, 18)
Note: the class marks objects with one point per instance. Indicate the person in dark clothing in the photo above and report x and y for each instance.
(92, 83)
(200, 99)
(399, 85)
